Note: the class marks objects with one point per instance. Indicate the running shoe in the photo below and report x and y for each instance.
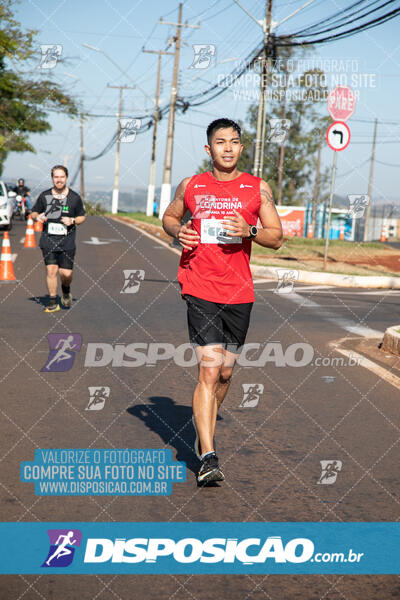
(197, 444)
(52, 306)
(66, 300)
(209, 470)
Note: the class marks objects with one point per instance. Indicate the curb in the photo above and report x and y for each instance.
(316, 277)
(391, 340)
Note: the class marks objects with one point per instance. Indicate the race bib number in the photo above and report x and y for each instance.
(57, 229)
(213, 232)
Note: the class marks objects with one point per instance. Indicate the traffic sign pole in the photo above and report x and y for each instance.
(330, 208)
(341, 105)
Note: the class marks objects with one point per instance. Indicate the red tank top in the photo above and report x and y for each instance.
(218, 268)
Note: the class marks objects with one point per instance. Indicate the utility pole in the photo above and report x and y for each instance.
(152, 179)
(282, 151)
(115, 194)
(261, 120)
(316, 185)
(267, 26)
(330, 207)
(371, 177)
(166, 185)
(82, 186)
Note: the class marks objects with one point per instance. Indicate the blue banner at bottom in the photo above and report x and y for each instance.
(213, 548)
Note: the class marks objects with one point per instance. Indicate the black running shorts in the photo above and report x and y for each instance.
(214, 323)
(63, 258)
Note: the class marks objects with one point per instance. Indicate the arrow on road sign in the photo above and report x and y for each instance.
(336, 132)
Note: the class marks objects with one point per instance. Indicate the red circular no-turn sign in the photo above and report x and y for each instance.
(338, 136)
(341, 103)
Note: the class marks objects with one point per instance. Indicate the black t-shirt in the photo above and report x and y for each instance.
(21, 190)
(54, 209)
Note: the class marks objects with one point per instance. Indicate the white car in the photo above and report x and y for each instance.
(6, 206)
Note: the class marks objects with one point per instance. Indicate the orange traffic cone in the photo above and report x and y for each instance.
(29, 236)
(6, 266)
(384, 233)
(341, 233)
(310, 231)
(38, 226)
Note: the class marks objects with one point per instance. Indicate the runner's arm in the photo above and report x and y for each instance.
(270, 235)
(173, 216)
(39, 209)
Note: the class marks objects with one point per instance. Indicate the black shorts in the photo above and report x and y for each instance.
(63, 258)
(215, 323)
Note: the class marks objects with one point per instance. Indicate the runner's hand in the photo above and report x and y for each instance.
(188, 237)
(236, 226)
(67, 221)
(41, 218)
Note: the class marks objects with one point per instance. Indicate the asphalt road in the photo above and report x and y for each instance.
(270, 452)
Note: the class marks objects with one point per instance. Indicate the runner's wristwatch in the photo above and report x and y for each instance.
(252, 232)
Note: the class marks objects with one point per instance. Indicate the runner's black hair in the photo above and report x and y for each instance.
(59, 167)
(221, 124)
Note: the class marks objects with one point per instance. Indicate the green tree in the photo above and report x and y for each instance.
(24, 101)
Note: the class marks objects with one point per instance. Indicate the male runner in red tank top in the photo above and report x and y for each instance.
(214, 272)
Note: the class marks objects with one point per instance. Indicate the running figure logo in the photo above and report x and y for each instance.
(251, 394)
(329, 471)
(50, 55)
(62, 351)
(279, 129)
(128, 129)
(98, 396)
(286, 279)
(132, 281)
(203, 54)
(357, 205)
(62, 547)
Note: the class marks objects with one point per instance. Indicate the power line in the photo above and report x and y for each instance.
(369, 25)
(387, 164)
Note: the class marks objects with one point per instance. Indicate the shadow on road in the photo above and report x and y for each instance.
(173, 423)
(44, 300)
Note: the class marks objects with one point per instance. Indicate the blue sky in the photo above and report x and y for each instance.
(120, 28)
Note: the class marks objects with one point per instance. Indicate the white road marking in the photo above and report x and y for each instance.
(368, 364)
(95, 241)
(346, 324)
